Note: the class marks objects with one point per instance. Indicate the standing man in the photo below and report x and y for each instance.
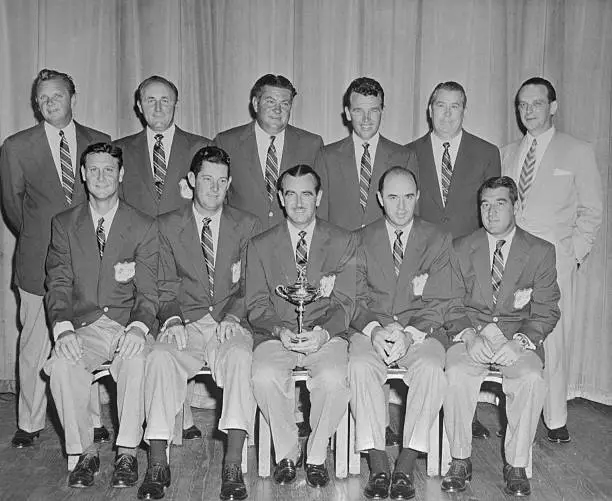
(201, 287)
(157, 158)
(102, 302)
(403, 271)
(507, 303)
(301, 246)
(38, 168)
(266, 147)
(561, 201)
(351, 168)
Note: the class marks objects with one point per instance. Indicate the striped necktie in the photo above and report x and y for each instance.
(66, 165)
(527, 172)
(271, 169)
(301, 253)
(209, 256)
(497, 270)
(447, 172)
(365, 176)
(101, 236)
(398, 252)
(159, 165)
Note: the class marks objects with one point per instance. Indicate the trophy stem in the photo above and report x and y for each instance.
(300, 316)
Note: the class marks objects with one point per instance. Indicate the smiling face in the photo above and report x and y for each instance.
(55, 102)
(535, 109)
(399, 197)
(158, 104)
(365, 114)
(300, 199)
(446, 111)
(273, 108)
(102, 175)
(209, 187)
(497, 211)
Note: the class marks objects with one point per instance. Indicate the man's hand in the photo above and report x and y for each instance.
(311, 341)
(477, 348)
(494, 337)
(69, 346)
(401, 342)
(288, 338)
(131, 343)
(228, 327)
(176, 334)
(508, 354)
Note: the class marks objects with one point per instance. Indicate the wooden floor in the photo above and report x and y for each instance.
(580, 471)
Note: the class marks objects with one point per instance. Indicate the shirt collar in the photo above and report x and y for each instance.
(108, 217)
(168, 134)
(543, 139)
(373, 141)
(438, 143)
(405, 231)
(261, 134)
(294, 232)
(508, 238)
(68, 130)
(214, 219)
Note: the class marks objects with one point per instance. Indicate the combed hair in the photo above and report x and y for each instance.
(47, 74)
(299, 170)
(552, 93)
(499, 182)
(366, 87)
(449, 86)
(273, 81)
(110, 148)
(397, 169)
(212, 154)
(155, 79)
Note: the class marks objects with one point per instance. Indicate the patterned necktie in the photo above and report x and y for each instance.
(159, 165)
(207, 250)
(301, 253)
(447, 172)
(497, 270)
(271, 169)
(398, 252)
(101, 236)
(66, 165)
(365, 176)
(527, 172)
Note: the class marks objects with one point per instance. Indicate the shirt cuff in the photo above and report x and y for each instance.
(318, 328)
(417, 336)
(60, 327)
(138, 324)
(459, 337)
(524, 341)
(367, 330)
(171, 321)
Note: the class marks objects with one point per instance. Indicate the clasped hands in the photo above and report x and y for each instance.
(70, 346)
(176, 333)
(490, 346)
(306, 342)
(391, 342)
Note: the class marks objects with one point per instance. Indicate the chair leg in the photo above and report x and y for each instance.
(433, 456)
(342, 446)
(265, 447)
(354, 456)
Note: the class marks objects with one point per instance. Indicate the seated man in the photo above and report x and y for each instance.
(101, 302)
(403, 270)
(507, 304)
(201, 260)
(304, 246)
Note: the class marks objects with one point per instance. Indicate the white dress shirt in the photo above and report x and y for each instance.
(214, 225)
(166, 142)
(53, 138)
(543, 140)
(263, 143)
(295, 237)
(358, 145)
(437, 146)
(505, 249)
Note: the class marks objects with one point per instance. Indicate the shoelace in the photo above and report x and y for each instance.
(124, 461)
(457, 469)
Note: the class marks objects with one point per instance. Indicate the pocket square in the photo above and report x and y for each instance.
(562, 172)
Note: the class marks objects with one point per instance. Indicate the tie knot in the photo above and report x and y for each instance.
(499, 244)
(206, 221)
(366, 146)
(158, 138)
(534, 143)
(398, 234)
(272, 138)
(446, 145)
(302, 234)
(61, 133)
(100, 222)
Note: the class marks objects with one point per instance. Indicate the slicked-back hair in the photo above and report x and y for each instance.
(499, 182)
(399, 170)
(366, 87)
(552, 93)
(47, 74)
(155, 79)
(212, 154)
(299, 170)
(452, 86)
(110, 148)
(273, 81)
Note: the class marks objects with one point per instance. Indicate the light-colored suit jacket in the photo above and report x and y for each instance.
(340, 181)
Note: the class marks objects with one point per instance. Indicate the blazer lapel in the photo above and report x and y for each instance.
(251, 155)
(285, 254)
(514, 264)
(316, 253)
(86, 236)
(480, 262)
(179, 149)
(428, 174)
(40, 144)
(291, 145)
(228, 236)
(383, 252)
(410, 263)
(143, 164)
(190, 240)
(114, 240)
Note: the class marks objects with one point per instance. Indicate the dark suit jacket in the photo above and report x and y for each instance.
(32, 194)
(530, 264)
(138, 189)
(340, 181)
(271, 262)
(248, 189)
(383, 298)
(183, 281)
(477, 160)
(81, 287)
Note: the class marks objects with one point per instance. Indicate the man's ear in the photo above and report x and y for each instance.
(121, 173)
(553, 107)
(379, 198)
(191, 180)
(347, 114)
(319, 197)
(83, 173)
(281, 198)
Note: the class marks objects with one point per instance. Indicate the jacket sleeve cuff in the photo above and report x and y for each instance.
(60, 327)
(367, 330)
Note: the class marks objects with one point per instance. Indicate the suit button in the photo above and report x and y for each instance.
(495, 319)
(210, 308)
(83, 324)
(105, 309)
(479, 328)
(395, 318)
(270, 214)
(363, 225)
(186, 322)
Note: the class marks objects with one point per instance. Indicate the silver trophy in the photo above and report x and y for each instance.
(300, 293)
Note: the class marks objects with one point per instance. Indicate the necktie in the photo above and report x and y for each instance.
(447, 172)
(271, 169)
(398, 252)
(301, 253)
(497, 270)
(159, 165)
(365, 176)
(101, 236)
(66, 165)
(527, 172)
(207, 250)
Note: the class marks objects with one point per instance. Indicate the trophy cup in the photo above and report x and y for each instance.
(300, 294)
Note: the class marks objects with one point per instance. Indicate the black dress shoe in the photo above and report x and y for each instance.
(559, 435)
(232, 483)
(391, 438)
(377, 486)
(317, 475)
(126, 471)
(517, 483)
(101, 435)
(23, 438)
(285, 472)
(402, 486)
(479, 430)
(459, 473)
(84, 471)
(192, 433)
(156, 480)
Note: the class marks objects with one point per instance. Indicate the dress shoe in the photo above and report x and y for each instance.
(559, 435)
(156, 480)
(126, 471)
(285, 471)
(101, 435)
(84, 471)
(317, 475)
(402, 485)
(23, 438)
(377, 486)
(459, 473)
(479, 430)
(517, 483)
(232, 483)
(391, 438)
(303, 429)
(192, 433)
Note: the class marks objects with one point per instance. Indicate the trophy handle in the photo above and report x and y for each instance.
(280, 290)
